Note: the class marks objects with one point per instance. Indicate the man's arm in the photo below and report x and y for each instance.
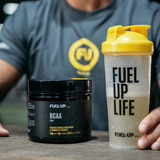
(9, 75)
(159, 83)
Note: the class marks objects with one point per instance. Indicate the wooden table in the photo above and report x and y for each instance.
(18, 147)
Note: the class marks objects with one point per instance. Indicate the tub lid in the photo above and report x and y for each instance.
(73, 85)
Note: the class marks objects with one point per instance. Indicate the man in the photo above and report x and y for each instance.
(62, 39)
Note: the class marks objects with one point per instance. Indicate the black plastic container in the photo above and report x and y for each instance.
(59, 111)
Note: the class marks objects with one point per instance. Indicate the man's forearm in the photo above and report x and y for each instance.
(9, 75)
(159, 83)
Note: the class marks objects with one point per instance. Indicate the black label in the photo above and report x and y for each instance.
(59, 119)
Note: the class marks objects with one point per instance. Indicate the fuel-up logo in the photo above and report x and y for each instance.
(83, 55)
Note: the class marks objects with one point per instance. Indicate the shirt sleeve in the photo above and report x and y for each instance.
(156, 40)
(13, 40)
(158, 67)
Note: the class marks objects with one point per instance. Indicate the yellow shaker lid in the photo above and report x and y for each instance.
(127, 39)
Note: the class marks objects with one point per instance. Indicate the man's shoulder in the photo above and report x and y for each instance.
(38, 5)
(39, 2)
(32, 10)
(145, 4)
(140, 11)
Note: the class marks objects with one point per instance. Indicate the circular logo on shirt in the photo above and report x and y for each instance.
(83, 55)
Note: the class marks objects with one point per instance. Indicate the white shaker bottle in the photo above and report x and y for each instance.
(127, 55)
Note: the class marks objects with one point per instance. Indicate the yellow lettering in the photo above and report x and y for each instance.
(80, 53)
(88, 55)
(83, 52)
(82, 73)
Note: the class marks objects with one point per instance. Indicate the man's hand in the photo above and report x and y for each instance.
(150, 127)
(3, 132)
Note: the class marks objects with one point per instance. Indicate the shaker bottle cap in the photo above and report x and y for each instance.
(132, 39)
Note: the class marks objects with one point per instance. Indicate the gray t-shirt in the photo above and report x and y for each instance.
(51, 40)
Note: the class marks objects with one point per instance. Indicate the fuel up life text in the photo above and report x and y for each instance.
(121, 77)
